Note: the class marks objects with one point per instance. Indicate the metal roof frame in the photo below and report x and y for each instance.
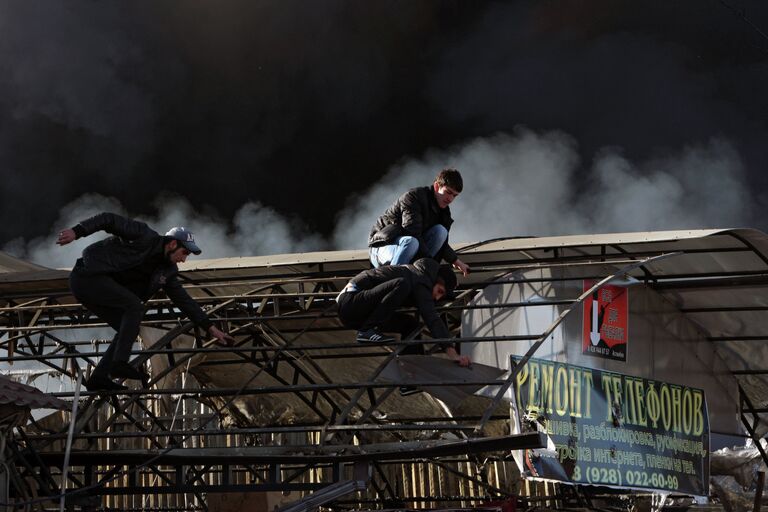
(271, 303)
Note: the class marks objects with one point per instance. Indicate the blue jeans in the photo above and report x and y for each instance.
(406, 247)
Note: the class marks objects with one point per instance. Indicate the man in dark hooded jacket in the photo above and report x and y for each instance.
(115, 276)
(369, 302)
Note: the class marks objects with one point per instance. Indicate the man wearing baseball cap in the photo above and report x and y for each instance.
(115, 276)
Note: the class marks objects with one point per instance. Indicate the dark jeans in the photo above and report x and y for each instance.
(114, 304)
(377, 307)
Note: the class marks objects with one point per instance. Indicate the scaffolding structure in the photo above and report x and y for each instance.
(295, 409)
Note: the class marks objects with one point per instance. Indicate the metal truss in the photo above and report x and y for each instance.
(177, 439)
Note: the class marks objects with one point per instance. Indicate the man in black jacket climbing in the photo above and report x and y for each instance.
(417, 224)
(115, 276)
(369, 302)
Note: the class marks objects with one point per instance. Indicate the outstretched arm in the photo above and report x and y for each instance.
(111, 223)
(221, 335)
(437, 328)
(66, 236)
(422, 296)
(192, 309)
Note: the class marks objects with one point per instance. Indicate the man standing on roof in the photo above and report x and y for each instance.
(369, 301)
(115, 276)
(417, 224)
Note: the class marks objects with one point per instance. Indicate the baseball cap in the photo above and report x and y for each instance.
(185, 237)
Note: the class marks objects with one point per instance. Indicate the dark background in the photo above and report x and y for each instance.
(300, 105)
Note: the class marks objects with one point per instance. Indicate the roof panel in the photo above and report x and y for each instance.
(16, 393)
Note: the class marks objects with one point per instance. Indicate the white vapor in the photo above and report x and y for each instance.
(519, 184)
(255, 230)
(529, 184)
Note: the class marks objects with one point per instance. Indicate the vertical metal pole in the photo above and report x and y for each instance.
(65, 466)
(5, 483)
(759, 491)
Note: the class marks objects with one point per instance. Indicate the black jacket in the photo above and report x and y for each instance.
(132, 244)
(422, 275)
(412, 214)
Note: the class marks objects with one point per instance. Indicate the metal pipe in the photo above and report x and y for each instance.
(65, 466)
(293, 388)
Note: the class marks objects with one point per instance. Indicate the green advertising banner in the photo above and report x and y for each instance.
(611, 429)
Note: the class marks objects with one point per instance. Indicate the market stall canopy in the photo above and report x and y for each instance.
(717, 278)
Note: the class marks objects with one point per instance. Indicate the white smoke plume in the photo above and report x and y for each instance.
(529, 184)
(519, 184)
(255, 230)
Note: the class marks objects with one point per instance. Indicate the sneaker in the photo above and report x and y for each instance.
(373, 336)
(102, 383)
(409, 390)
(124, 370)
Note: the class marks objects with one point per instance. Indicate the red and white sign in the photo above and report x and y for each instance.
(606, 319)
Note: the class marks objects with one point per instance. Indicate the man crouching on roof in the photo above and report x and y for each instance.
(369, 301)
(115, 276)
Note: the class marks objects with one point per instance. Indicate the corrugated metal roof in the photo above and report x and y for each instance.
(16, 393)
(28, 273)
(10, 264)
(505, 244)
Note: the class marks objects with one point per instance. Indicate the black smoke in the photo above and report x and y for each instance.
(301, 106)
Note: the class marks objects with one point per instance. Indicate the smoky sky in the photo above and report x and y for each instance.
(304, 114)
